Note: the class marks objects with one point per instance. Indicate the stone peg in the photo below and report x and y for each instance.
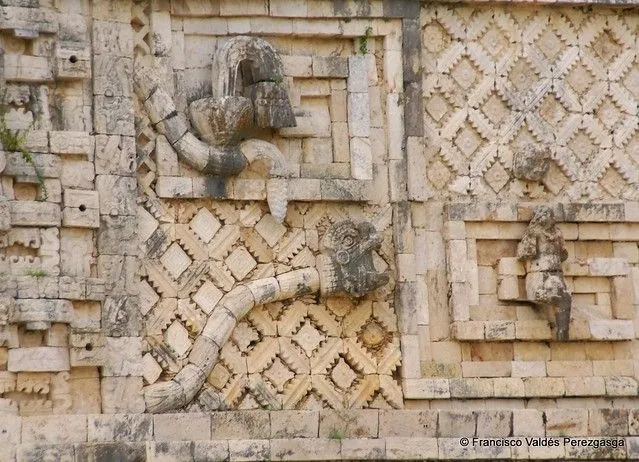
(531, 163)
(542, 249)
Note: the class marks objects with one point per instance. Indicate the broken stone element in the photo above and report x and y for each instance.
(221, 121)
(542, 249)
(531, 163)
(249, 66)
(346, 269)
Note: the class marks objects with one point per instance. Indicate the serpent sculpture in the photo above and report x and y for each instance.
(247, 93)
(542, 249)
(344, 267)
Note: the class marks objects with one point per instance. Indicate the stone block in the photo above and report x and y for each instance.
(115, 155)
(426, 388)
(332, 66)
(408, 423)
(38, 359)
(122, 395)
(357, 74)
(317, 150)
(210, 451)
(358, 115)
(54, 429)
(113, 115)
(608, 422)
(121, 316)
(622, 297)
(398, 448)
(76, 218)
(496, 423)
(303, 189)
(297, 66)
(566, 422)
(57, 452)
(34, 213)
(351, 423)
(110, 451)
(124, 357)
(118, 194)
(118, 236)
(454, 424)
(69, 142)
(471, 388)
(112, 38)
(113, 75)
(26, 68)
(528, 422)
(305, 449)
(603, 329)
(361, 159)
(363, 449)
(344, 190)
(181, 427)
(247, 425)
(249, 450)
(620, 386)
(15, 165)
(468, 330)
(294, 424)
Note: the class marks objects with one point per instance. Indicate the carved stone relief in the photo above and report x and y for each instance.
(247, 93)
(219, 296)
(542, 250)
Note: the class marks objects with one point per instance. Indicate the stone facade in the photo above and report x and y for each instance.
(314, 229)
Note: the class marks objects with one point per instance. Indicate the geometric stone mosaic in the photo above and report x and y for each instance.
(304, 353)
(497, 79)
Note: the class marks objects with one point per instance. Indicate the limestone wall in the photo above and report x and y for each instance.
(444, 125)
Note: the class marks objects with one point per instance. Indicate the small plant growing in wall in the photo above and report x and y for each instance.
(336, 434)
(363, 41)
(14, 141)
(36, 273)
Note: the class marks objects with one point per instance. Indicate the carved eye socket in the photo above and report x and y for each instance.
(348, 240)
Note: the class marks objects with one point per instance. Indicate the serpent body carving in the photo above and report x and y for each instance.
(344, 267)
(247, 92)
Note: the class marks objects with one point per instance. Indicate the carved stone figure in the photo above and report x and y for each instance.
(247, 92)
(345, 267)
(346, 264)
(542, 249)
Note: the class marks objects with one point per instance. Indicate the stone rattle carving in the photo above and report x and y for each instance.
(542, 249)
(345, 267)
(247, 92)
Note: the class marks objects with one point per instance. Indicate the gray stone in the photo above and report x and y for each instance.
(240, 425)
(121, 316)
(111, 451)
(531, 162)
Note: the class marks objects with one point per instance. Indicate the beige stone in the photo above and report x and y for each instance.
(294, 424)
(54, 429)
(176, 427)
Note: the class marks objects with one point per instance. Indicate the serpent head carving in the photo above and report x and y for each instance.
(346, 264)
